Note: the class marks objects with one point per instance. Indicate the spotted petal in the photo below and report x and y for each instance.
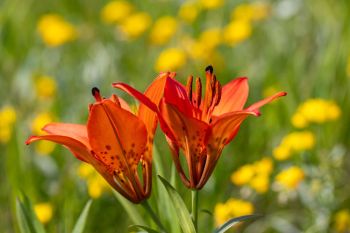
(117, 137)
(225, 127)
(190, 135)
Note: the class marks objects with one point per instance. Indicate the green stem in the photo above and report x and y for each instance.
(195, 208)
(153, 215)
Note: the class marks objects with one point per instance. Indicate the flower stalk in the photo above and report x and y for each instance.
(195, 208)
(153, 215)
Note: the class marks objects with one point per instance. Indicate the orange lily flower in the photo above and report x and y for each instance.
(114, 141)
(201, 127)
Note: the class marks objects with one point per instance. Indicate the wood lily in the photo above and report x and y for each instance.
(116, 142)
(201, 126)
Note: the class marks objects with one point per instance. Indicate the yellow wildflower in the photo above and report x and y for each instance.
(136, 24)
(211, 4)
(170, 59)
(299, 121)
(251, 12)
(163, 29)
(188, 11)
(256, 175)
(231, 209)
(260, 183)
(96, 184)
(282, 152)
(263, 166)
(43, 211)
(243, 175)
(55, 31)
(299, 141)
(40, 120)
(315, 111)
(237, 31)
(116, 11)
(294, 142)
(45, 147)
(342, 221)
(45, 86)
(211, 37)
(290, 178)
(7, 120)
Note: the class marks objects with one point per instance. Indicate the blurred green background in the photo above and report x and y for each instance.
(291, 164)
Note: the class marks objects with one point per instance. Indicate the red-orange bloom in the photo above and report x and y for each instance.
(201, 127)
(114, 141)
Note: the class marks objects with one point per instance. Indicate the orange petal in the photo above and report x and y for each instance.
(255, 107)
(233, 96)
(190, 135)
(155, 93)
(116, 136)
(76, 131)
(175, 93)
(224, 128)
(136, 94)
(78, 148)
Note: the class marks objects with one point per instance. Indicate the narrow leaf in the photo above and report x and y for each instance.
(134, 228)
(130, 208)
(80, 224)
(38, 226)
(21, 218)
(233, 221)
(183, 216)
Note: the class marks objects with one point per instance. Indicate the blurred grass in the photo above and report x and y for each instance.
(304, 53)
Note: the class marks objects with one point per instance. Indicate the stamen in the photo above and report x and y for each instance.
(209, 69)
(115, 99)
(189, 87)
(198, 97)
(96, 94)
(217, 96)
(208, 96)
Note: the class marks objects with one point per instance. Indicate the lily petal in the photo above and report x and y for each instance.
(190, 135)
(175, 93)
(155, 93)
(257, 105)
(225, 127)
(145, 101)
(78, 148)
(116, 136)
(136, 94)
(76, 131)
(233, 96)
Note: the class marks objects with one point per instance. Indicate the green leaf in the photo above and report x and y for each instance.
(233, 221)
(133, 228)
(38, 226)
(27, 220)
(130, 208)
(22, 218)
(80, 224)
(183, 216)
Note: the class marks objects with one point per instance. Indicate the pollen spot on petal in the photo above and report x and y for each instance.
(108, 147)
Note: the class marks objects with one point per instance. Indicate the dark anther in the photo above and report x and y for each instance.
(210, 69)
(95, 91)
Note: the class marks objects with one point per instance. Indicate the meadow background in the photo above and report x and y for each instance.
(291, 164)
